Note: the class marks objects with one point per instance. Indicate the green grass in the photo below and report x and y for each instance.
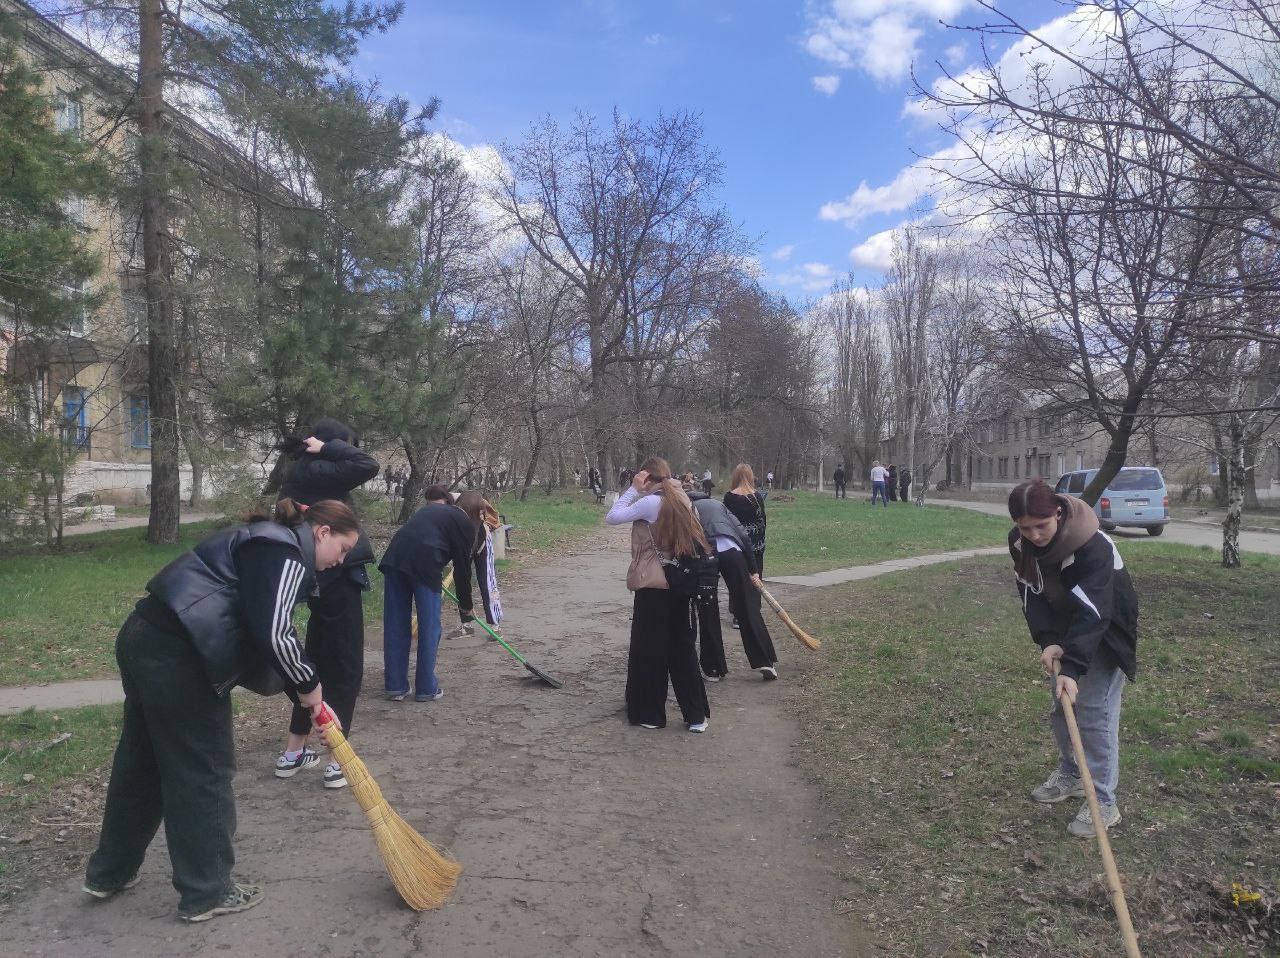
(815, 532)
(27, 749)
(925, 727)
(60, 609)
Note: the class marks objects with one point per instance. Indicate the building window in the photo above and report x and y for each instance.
(139, 422)
(1079, 460)
(1062, 463)
(1016, 468)
(75, 426)
(1044, 465)
(1004, 467)
(73, 207)
(69, 114)
(135, 315)
(74, 293)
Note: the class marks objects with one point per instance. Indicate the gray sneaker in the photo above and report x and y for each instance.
(242, 897)
(104, 893)
(1058, 788)
(1082, 825)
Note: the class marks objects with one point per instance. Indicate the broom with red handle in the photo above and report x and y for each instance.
(422, 875)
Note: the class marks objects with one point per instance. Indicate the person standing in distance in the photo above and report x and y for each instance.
(838, 479)
(879, 476)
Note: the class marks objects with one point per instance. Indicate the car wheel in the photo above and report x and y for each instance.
(1108, 527)
(1154, 530)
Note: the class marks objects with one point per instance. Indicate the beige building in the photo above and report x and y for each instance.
(92, 381)
(1025, 443)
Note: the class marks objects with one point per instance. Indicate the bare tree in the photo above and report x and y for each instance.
(626, 215)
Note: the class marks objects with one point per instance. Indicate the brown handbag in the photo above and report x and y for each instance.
(645, 571)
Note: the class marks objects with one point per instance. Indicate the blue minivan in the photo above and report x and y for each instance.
(1137, 496)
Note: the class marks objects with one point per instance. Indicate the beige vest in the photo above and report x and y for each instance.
(645, 571)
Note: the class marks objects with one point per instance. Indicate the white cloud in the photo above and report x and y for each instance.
(827, 84)
(783, 253)
(912, 186)
(878, 36)
(875, 252)
(809, 277)
(653, 39)
(956, 53)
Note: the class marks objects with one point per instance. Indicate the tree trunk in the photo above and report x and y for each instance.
(275, 478)
(1117, 452)
(533, 459)
(1251, 476)
(1235, 495)
(414, 484)
(162, 356)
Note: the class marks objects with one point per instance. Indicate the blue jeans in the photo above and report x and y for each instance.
(399, 596)
(877, 489)
(1098, 715)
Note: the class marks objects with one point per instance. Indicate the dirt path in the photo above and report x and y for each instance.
(579, 834)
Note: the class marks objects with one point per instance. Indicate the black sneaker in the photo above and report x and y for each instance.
(287, 768)
(242, 897)
(105, 893)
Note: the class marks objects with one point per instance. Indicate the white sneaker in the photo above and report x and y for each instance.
(769, 673)
(647, 725)
(333, 777)
(1082, 825)
(287, 768)
(699, 726)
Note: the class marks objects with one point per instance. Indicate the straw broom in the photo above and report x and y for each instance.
(422, 875)
(803, 637)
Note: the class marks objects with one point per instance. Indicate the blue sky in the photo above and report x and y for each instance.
(802, 100)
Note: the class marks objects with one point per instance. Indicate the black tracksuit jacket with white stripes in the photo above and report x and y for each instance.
(233, 597)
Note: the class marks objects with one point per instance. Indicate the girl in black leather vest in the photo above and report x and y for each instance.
(209, 619)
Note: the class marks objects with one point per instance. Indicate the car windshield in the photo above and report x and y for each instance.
(1132, 480)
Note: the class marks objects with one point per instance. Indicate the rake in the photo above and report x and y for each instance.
(1104, 844)
(546, 677)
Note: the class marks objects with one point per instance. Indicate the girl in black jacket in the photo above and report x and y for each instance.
(1081, 609)
(210, 618)
(330, 466)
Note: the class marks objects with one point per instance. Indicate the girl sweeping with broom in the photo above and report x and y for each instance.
(663, 526)
(486, 520)
(211, 619)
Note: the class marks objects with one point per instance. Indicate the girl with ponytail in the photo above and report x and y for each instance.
(217, 616)
(663, 528)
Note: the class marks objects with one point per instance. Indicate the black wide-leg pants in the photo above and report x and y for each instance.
(335, 645)
(662, 652)
(744, 601)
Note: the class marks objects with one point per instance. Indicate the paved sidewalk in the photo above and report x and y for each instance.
(817, 580)
(129, 522)
(579, 835)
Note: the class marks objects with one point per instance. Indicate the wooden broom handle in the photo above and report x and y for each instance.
(1104, 844)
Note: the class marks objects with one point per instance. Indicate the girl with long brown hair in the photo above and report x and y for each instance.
(663, 529)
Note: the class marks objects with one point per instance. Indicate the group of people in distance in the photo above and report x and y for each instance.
(221, 615)
(682, 543)
(886, 483)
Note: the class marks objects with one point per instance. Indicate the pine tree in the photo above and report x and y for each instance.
(43, 258)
